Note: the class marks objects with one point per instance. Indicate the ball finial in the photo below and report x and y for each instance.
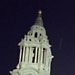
(40, 12)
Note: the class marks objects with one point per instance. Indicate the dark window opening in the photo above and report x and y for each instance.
(22, 54)
(40, 34)
(37, 55)
(33, 60)
(36, 35)
(44, 54)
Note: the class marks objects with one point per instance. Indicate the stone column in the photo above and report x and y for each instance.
(20, 54)
(35, 54)
(27, 50)
(41, 55)
(38, 55)
(23, 58)
(39, 60)
(30, 54)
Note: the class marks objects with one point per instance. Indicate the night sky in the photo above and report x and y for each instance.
(16, 18)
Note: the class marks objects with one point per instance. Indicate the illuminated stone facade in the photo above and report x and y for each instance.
(35, 52)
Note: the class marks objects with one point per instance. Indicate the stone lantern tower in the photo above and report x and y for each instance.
(35, 52)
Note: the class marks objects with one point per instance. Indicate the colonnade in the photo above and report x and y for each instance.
(32, 54)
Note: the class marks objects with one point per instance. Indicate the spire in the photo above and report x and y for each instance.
(39, 20)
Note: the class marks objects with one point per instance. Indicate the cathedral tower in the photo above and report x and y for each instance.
(35, 52)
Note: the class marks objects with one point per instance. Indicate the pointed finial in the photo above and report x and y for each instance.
(39, 20)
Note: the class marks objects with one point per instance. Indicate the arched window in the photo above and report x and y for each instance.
(40, 34)
(36, 35)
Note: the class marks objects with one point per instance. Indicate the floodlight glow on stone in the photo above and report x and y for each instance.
(40, 12)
